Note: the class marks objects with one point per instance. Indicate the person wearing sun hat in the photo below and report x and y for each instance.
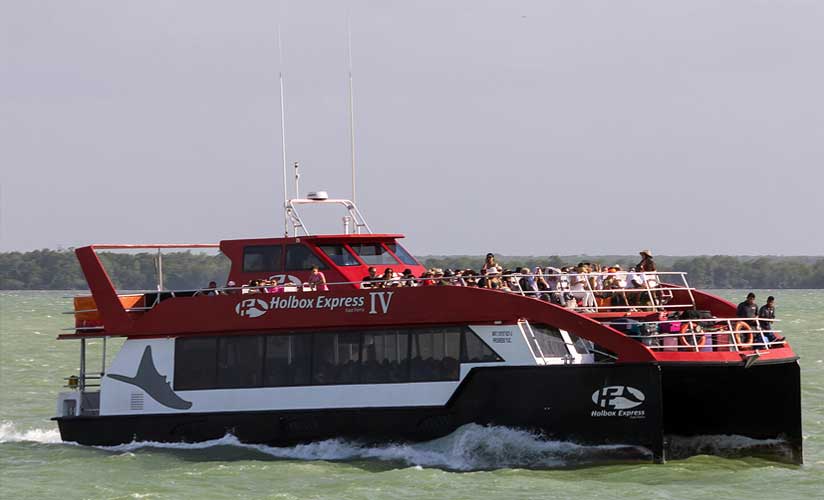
(647, 264)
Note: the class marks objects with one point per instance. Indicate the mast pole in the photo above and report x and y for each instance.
(283, 138)
(351, 101)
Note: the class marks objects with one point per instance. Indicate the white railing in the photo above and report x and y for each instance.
(656, 295)
(701, 335)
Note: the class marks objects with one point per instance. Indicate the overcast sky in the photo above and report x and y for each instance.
(547, 127)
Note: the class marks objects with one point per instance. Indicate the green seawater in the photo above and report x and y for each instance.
(473, 463)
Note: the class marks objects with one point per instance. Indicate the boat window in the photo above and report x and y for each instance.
(195, 363)
(434, 354)
(385, 357)
(301, 258)
(374, 254)
(336, 358)
(239, 361)
(262, 258)
(402, 254)
(550, 341)
(288, 360)
(582, 346)
(475, 350)
(300, 359)
(340, 255)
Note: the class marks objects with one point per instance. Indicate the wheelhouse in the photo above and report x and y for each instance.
(342, 258)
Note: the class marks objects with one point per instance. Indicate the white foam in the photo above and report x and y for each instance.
(472, 447)
(9, 434)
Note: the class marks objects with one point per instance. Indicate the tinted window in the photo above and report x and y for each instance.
(240, 362)
(195, 363)
(336, 358)
(262, 258)
(402, 254)
(385, 357)
(374, 254)
(582, 346)
(340, 255)
(550, 341)
(434, 354)
(475, 350)
(288, 360)
(301, 258)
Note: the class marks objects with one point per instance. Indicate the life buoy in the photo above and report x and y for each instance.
(700, 339)
(743, 326)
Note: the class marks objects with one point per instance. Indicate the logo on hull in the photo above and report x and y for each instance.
(618, 401)
(373, 303)
(252, 308)
(153, 383)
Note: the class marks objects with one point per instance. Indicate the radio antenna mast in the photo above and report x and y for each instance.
(283, 138)
(351, 100)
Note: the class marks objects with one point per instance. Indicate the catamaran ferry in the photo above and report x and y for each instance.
(278, 357)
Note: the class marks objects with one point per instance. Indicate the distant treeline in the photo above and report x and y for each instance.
(59, 270)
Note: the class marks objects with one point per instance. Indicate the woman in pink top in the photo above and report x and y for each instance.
(317, 280)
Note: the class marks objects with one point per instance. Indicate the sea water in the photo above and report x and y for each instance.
(474, 462)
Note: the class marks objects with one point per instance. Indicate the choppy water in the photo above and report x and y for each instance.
(473, 462)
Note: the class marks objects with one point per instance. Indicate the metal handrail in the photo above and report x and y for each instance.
(378, 283)
(730, 332)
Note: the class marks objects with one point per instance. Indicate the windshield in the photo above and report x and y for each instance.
(340, 255)
(402, 254)
(374, 254)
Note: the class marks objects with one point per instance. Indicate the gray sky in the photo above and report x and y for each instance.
(547, 127)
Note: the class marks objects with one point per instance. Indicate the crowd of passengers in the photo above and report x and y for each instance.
(584, 285)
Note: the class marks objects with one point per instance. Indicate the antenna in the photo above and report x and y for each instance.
(283, 137)
(351, 100)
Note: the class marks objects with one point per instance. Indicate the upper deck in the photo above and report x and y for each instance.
(348, 302)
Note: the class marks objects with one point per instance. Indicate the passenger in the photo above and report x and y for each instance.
(767, 311)
(407, 278)
(388, 278)
(578, 285)
(426, 279)
(646, 265)
(528, 283)
(447, 278)
(317, 280)
(483, 281)
(493, 277)
(553, 279)
(748, 309)
(212, 290)
(459, 280)
(252, 287)
(469, 278)
(370, 280)
(541, 283)
(489, 262)
(231, 286)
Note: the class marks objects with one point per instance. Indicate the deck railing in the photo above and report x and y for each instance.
(710, 334)
(651, 295)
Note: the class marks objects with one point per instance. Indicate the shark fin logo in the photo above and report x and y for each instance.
(153, 383)
(251, 308)
(618, 397)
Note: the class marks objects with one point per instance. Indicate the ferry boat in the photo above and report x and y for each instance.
(384, 362)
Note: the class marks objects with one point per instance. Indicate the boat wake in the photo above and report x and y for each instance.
(9, 434)
(471, 447)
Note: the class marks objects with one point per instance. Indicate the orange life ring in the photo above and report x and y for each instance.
(743, 326)
(700, 339)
